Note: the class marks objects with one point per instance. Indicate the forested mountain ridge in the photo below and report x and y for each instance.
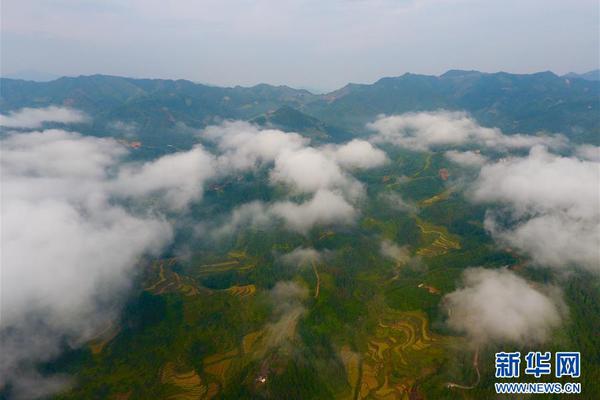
(515, 103)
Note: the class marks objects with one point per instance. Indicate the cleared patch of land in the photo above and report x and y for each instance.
(436, 198)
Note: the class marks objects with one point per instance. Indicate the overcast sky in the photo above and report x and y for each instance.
(317, 44)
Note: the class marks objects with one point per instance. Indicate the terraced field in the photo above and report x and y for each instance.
(402, 352)
(169, 281)
(238, 260)
(242, 291)
(437, 238)
(186, 384)
(218, 365)
(250, 340)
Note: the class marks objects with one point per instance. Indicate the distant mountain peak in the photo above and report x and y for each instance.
(593, 75)
(457, 73)
(31, 75)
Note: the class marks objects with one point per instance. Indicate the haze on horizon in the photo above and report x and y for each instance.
(309, 43)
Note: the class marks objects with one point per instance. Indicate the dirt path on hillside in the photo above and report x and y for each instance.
(314, 265)
(476, 366)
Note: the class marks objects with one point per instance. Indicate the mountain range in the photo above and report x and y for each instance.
(515, 103)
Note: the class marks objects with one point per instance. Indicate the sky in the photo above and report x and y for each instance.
(315, 44)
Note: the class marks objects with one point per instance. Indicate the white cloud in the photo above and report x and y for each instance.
(178, 178)
(588, 152)
(68, 247)
(43, 154)
(35, 117)
(553, 239)
(127, 129)
(301, 256)
(396, 201)
(552, 204)
(308, 170)
(358, 154)
(325, 208)
(391, 250)
(293, 162)
(57, 252)
(431, 130)
(244, 146)
(499, 306)
(287, 298)
(284, 293)
(317, 171)
(466, 158)
(254, 214)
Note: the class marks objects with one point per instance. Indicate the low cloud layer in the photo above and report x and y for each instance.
(287, 298)
(306, 169)
(302, 256)
(433, 130)
(324, 208)
(33, 118)
(357, 154)
(395, 201)
(309, 170)
(498, 306)
(177, 178)
(243, 146)
(466, 158)
(588, 152)
(69, 246)
(549, 207)
(323, 173)
(391, 250)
